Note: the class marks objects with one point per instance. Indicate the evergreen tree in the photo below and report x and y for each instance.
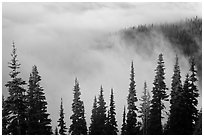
(123, 129)
(131, 127)
(93, 125)
(176, 101)
(62, 124)
(145, 109)
(15, 103)
(187, 123)
(159, 95)
(5, 117)
(101, 114)
(56, 131)
(190, 100)
(111, 120)
(38, 121)
(78, 126)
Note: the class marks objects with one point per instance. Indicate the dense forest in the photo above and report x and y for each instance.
(24, 111)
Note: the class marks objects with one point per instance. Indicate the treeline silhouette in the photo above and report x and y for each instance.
(24, 111)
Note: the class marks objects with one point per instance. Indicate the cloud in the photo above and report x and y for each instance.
(68, 40)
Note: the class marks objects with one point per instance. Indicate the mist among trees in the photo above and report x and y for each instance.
(24, 110)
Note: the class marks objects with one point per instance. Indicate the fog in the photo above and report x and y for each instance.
(69, 40)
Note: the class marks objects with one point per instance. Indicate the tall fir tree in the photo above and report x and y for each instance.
(38, 121)
(78, 126)
(111, 120)
(123, 129)
(145, 109)
(176, 101)
(62, 124)
(93, 125)
(159, 95)
(101, 114)
(5, 117)
(16, 101)
(131, 127)
(190, 96)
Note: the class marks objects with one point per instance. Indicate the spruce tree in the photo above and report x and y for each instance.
(16, 103)
(78, 126)
(176, 101)
(62, 124)
(187, 122)
(38, 121)
(190, 100)
(101, 114)
(123, 129)
(159, 95)
(5, 117)
(131, 127)
(111, 120)
(145, 109)
(93, 125)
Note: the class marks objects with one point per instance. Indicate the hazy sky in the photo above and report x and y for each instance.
(68, 40)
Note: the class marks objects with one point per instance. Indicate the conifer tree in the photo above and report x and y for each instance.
(16, 103)
(187, 122)
(176, 101)
(145, 109)
(159, 95)
(93, 125)
(190, 100)
(62, 124)
(123, 129)
(111, 120)
(38, 121)
(5, 117)
(78, 126)
(131, 127)
(101, 114)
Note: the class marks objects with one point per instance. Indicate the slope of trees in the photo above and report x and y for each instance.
(24, 110)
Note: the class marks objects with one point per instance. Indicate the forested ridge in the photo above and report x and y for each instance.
(24, 110)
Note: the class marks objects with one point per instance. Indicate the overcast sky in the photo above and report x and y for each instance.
(68, 40)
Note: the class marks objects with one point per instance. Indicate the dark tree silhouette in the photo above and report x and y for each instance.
(62, 124)
(93, 125)
(38, 121)
(101, 114)
(131, 122)
(78, 126)
(159, 95)
(16, 103)
(176, 101)
(190, 100)
(111, 120)
(123, 129)
(145, 109)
